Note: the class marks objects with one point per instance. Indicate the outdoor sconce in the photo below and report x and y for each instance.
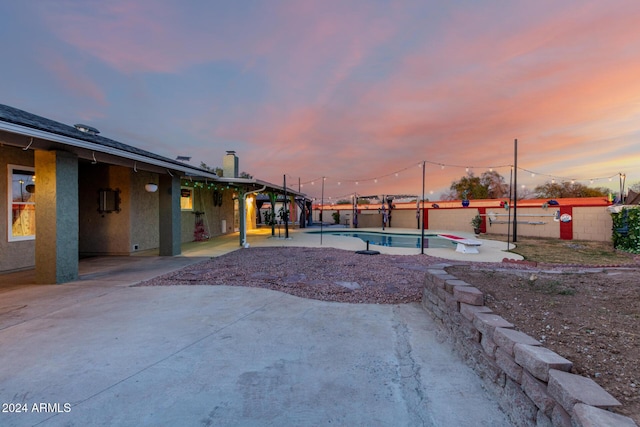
(108, 200)
(151, 187)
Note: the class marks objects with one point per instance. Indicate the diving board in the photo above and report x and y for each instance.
(464, 245)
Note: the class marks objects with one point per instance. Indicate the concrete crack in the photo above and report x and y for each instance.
(411, 385)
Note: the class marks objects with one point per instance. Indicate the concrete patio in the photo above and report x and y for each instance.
(225, 356)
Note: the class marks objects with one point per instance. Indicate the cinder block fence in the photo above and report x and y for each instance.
(532, 384)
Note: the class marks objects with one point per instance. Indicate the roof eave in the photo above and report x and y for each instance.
(87, 145)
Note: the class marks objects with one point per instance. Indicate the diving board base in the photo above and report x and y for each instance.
(463, 245)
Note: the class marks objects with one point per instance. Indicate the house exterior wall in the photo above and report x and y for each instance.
(144, 214)
(104, 233)
(213, 215)
(21, 254)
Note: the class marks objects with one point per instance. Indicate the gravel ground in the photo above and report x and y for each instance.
(319, 273)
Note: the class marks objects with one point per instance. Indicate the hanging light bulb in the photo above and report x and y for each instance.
(533, 175)
(375, 180)
(397, 174)
(466, 169)
(441, 166)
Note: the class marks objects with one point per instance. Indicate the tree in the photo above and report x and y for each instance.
(554, 190)
(469, 187)
(494, 182)
(635, 187)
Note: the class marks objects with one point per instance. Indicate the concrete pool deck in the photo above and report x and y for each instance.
(490, 251)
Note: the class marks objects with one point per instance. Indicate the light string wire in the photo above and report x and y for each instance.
(396, 173)
(466, 167)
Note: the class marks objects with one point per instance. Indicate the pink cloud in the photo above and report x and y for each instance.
(562, 80)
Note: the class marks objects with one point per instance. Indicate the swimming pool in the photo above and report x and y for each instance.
(398, 240)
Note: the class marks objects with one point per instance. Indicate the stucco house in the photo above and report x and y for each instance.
(70, 192)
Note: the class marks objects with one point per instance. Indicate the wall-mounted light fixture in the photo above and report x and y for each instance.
(151, 187)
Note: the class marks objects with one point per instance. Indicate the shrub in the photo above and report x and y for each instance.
(626, 230)
(336, 217)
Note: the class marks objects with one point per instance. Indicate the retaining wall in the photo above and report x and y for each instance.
(532, 384)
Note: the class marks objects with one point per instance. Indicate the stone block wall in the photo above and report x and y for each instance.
(532, 384)
(592, 223)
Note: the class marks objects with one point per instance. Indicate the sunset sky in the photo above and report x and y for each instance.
(352, 90)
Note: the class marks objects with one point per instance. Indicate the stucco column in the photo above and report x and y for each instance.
(56, 217)
(170, 234)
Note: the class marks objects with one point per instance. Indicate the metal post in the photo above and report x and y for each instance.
(286, 215)
(321, 211)
(515, 191)
(509, 210)
(422, 210)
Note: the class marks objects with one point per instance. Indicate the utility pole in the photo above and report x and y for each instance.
(422, 211)
(515, 191)
(286, 215)
(321, 211)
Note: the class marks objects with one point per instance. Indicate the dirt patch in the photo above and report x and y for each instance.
(591, 318)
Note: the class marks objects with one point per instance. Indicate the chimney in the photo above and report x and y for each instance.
(230, 165)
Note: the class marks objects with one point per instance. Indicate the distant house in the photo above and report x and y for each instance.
(70, 193)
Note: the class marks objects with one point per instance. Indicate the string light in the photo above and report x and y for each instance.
(491, 168)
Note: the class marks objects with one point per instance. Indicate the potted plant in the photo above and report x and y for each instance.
(476, 221)
(336, 217)
(465, 199)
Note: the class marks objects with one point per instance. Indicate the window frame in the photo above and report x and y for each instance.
(11, 168)
(191, 197)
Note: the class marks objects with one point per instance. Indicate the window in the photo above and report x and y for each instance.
(108, 200)
(22, 203)
(186, 199)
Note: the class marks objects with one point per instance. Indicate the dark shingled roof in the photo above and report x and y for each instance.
(19, 117)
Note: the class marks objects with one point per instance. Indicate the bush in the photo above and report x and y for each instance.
(626, 230)
(336, 217)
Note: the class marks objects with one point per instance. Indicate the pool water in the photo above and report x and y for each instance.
(398, 240)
